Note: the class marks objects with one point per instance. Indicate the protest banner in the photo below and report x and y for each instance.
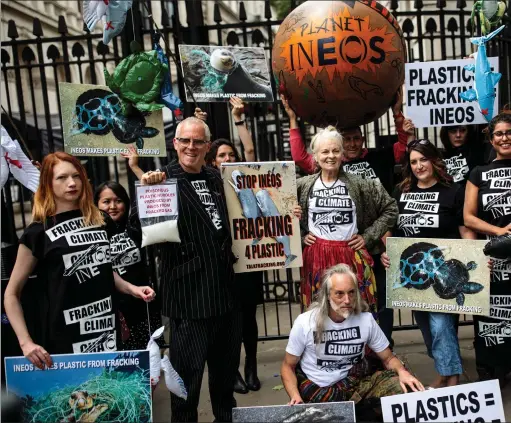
(260, 200)
(95, 387)
(218, 73)
(441, 275)
(321, 412)
(433, 93)
(93, 124)
(472, 402)
(158, 212)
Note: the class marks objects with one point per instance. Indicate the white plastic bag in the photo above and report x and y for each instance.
(154, 356)
(158, 212)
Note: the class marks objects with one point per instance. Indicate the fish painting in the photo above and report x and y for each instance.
(485, 80)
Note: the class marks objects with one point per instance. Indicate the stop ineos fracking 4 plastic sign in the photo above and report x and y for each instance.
(472, 402)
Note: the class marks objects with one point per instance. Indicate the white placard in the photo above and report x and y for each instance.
(157, 200)
(433, 93)
(472, 402)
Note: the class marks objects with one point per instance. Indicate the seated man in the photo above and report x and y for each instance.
(325, 356)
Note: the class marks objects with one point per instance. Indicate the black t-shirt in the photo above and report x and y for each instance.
(461, 160)
(492, 342)
(75, 264)
(434, 212)
(199, 183)
(376, 164)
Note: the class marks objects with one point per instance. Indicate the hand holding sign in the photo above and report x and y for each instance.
(36, 354)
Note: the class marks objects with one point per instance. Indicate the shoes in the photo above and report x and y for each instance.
(252, 381)
(239, 385)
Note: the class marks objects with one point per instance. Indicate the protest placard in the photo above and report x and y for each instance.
(218, 73)
(93, 124)
(95, 387)
(433, 93)
(158, 212)
(321, 412)
(441, 275)
(260, 200)
(473, 402)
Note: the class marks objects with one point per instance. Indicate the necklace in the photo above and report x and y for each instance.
(331, 186)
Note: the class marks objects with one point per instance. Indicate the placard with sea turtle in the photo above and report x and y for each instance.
(438, 275)
(94, 124)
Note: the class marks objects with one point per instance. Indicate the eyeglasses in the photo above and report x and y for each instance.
(417, 142)
(502, 134)
(187, 141)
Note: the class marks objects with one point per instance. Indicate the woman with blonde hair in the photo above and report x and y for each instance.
(68, 241)
(343, 216)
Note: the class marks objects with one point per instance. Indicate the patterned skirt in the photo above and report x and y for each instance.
(324, 254)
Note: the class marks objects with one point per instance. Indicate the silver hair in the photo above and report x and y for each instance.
(322, 303)
(329, 133)
(194, 121)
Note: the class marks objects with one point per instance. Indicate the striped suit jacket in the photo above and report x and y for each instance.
(197, 274)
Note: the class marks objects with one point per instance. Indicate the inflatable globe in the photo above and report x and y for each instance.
(339, 63)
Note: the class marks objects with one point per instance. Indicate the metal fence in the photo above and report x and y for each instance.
(32, 68)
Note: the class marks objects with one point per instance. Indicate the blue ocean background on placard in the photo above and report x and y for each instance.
(39, 382)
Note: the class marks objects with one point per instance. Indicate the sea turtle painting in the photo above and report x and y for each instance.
(423, 265)
(99, 112)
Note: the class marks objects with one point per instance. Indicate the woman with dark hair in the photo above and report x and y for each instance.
(426, 182)
(488, 212)
(128, 260)
(222, 151)
(68, 241)
(463, 151)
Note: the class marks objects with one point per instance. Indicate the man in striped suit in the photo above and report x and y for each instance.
(197, 288)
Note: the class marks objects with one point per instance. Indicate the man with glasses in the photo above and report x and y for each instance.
(197, 286)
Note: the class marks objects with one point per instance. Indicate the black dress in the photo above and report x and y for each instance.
(129, 261)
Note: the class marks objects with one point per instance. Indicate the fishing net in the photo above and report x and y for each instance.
(212, 81)
(127, 396)
(97, 114)
(420, 267)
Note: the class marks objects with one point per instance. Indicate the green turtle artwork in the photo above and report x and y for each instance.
(137, 80)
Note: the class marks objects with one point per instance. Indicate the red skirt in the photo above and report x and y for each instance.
(324, 254)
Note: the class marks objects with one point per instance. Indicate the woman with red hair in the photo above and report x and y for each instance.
(68, 241)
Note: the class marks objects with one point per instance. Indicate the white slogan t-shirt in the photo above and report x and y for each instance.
(201, 188)
(342, 345)
(332, 212)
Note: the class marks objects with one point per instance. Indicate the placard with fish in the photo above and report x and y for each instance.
(438, 275)
(94, 124)
(216, 73)
(260, 201)
(298, 413)
(93, 387)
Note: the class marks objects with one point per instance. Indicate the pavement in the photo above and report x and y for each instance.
(409, 346)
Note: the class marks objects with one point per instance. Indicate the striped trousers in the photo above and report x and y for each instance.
(195, 342)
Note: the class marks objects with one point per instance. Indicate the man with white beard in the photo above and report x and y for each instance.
(325, 356)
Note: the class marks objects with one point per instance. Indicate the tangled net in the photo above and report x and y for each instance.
(127, 395)
(96, 114)
(212, 81)
(420, 267)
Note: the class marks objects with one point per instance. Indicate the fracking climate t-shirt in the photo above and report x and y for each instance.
(434, 212)
(200, 185)
(457, 167)
(342, 345)
(492, 340)
(332, 212)
(74, 262)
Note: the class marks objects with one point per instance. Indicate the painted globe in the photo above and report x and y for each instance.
(339, 63)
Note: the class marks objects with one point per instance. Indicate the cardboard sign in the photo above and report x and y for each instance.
(321, 412)
(157, 200)
(433, 93)
(472, 402)
(441, 275)
(83, 387)
(93, 124)
(218, 73)
(260, 200)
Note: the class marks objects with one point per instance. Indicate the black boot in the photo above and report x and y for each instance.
(239, 385)
(251, 379)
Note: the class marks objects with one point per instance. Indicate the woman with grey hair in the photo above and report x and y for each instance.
(325, 357)
(342, 216)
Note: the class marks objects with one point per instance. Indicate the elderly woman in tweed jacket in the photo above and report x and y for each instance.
(343, 219)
